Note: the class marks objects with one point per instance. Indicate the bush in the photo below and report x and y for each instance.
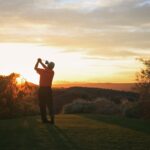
(100, 105)
(16, 100)
(145, 108)
(134, 111)
(79, 106)
(105, 106)
(125, 105)
(28, 105)
(139, 110)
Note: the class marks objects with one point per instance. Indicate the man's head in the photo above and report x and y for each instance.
(51, 65)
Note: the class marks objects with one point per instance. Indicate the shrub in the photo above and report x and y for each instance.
(145, 108)
(125, 105)
(105, 106)
(79, 106)
(16, 100)
(140, 109)
(28, 105)
(100, 105)
(134, 111)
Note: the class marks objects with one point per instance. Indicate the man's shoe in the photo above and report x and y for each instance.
(46, 121)
(50, 122)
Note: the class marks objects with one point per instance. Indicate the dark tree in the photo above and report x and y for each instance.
(143, 80)
(11, 94)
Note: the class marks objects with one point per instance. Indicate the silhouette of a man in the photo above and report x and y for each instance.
(45, 90)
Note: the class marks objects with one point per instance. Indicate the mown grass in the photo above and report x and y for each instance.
(75, 132)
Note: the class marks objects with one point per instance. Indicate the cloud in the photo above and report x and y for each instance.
(111, 28)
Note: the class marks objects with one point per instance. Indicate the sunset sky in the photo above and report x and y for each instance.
(89, 40)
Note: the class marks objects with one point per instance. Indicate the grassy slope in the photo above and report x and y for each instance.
(74, 132)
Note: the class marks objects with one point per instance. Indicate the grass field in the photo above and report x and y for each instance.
(75, 132)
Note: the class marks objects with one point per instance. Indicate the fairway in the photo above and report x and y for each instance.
(75, 132)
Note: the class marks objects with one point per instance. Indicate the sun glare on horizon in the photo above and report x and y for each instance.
(20, 80)
(70, 66)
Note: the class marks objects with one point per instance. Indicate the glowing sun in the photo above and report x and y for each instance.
(20, 80)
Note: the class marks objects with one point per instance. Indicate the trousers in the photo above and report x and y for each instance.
(46, 102)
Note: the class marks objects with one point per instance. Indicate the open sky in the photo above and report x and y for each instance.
(89, 40)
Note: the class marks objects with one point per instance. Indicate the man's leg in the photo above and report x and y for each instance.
(42, 104)
(51, 112)
(51, 107)
(43, 111)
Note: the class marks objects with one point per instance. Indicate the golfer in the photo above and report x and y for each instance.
(45, 90)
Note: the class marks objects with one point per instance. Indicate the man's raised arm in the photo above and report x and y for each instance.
(43, 65)
(37, 63)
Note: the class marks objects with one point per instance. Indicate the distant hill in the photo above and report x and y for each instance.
(114, 86)
(64, 96)
(113, 92)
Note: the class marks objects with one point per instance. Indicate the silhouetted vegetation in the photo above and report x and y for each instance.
(15, 99)
(99, 105)
(142, 108)
(20, 100)
(143, 81)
